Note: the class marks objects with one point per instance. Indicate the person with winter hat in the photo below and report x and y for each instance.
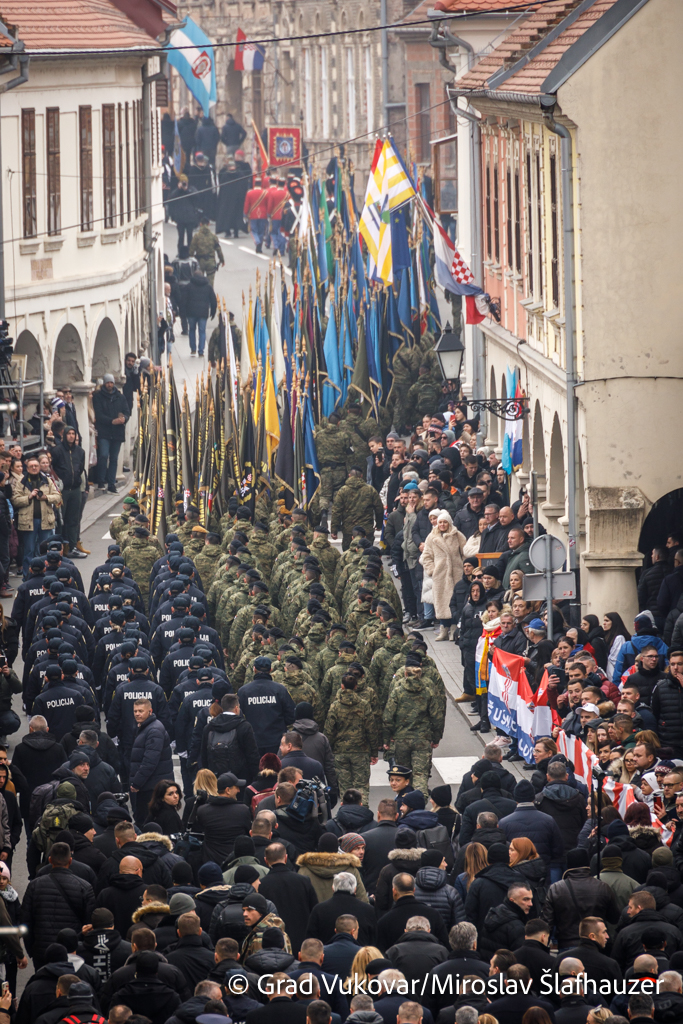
(243, 853)
(147, 994)
(321, 866)
(316, 745)
(257, 919)
(441, 560)
(405, 857)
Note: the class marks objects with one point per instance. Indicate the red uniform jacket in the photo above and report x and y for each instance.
(256, 203)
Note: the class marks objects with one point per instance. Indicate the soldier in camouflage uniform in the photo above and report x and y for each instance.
(360, 615)
(333, 444)
(130, 510)
(235, 629)
(345, 657)
(329, 654)
(140, 557)
(358, 533)
(242, 523)
(207, 560)
(356, 504)
(261, 548)
(254, 649)
(425, 394)
(299, 689)
(316, 639)
(403, 379)
(413, 723)
(205, 247)
(360, 431)
(350, 728)
(196, 542)
(381, 661)
(305, 617)
(233, 599)
(301, 591)
(327, 555)
(184, 530)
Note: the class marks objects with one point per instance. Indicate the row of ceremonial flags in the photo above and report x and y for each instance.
(523, 715)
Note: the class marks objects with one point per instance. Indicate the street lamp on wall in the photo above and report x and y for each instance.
(450, 351)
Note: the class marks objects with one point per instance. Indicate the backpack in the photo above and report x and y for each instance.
(40, 798)
(437, 838)
(230, 923)
(220, 756)
(55, 819)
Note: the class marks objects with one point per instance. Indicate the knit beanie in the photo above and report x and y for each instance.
(499, 853)
(350, 842)
(405, 839)
(524, 792)
(577, 858)
(414, 800)
(328, 843)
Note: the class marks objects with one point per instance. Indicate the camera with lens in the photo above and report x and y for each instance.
(599, 773)
(310, 795)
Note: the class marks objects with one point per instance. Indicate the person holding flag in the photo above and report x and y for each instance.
(256, 212)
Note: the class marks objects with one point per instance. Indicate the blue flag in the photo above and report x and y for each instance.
(332, 388)
(194, 62)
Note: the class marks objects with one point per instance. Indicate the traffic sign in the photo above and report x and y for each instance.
(534, 586)
(547, 553)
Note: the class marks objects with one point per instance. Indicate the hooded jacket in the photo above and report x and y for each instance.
(503, 927)
(226, 920)
(491, 800)
(488, 890)
(567, 807)
(415, 954)
(628, 652)
(576, 896)
(431, 887)
(322, 867)
(351, 818)
(104, 950)
(148, 996)
(154, 869)
(400, 860)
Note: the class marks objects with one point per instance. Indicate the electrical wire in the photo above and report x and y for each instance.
(247, 177)
(509, 9)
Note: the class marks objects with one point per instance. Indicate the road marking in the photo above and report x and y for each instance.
(107, 536)
(224, 241)
(261, 255)
(452, 769)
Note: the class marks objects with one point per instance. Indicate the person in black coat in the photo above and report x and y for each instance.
(222, 819)
(55, 900)
(68, 462)
(39, 993)
(563, 803)
(207, 138)
(491, 800)
(124, 894)
(527, 821)
(510, 1008)
(321, 921)
(184, 207)
(111, 413)
(200, 304)
(154, 870)
(416, 952)
(190, 955)
(392, 925)
(533, 952)
(489, 889)
(150, 758)
(239, 756)
(379, 841)
(628, 943)
(504, 924)
(292, 894)
(147, 994)
(469, 633)
(269, 720)
(292, 756)
(651, 580)
(101, 946)
(591, 952)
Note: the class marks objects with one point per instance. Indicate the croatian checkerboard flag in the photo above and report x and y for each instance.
(509, 697)
(190, 52)
(248, 56)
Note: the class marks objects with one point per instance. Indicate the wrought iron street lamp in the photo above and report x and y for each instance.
(449, 351)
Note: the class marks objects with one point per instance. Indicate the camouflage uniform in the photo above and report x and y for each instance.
(297, 596)
(333, 677)
(254, 940)
(263, 551)
(205, 247)
(329, 654)
(140, 557)
(208, 563)
(379, 665)
(333, 444)
(356, 504)
(424, 396)
(249, 653)
(403, 379)
(358, 617)
(118, 525)
(328, 556)
(350, 728)
(315, 644)
(360, 431)
(299, 690)
(242, 622)
(412, 722)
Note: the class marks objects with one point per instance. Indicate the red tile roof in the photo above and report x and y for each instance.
(473, 6)
(526, 35)
(72, 25)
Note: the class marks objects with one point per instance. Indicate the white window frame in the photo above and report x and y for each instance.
(324, 92)
(351, 90)
(369, 90)
(308, 94)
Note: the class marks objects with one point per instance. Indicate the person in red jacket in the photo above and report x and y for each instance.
(277, 199)
(256, 211)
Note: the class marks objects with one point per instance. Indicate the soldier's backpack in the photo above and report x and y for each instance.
(437, 838)
(83, 1018)
(55, 819)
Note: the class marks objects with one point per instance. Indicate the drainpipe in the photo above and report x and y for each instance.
(478, 356)
(153, 71)
(20, 61)
(385, 62)
(570, 353)
(442, 40)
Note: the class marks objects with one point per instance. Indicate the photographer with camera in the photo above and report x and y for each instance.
(35, 497)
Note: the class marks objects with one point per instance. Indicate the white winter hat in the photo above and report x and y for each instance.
(445, 517)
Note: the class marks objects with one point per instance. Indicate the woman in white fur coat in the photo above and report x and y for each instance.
(442, 560)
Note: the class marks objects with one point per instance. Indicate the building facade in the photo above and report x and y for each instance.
(75, 206)
(575, 65)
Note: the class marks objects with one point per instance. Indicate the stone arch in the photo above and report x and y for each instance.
(494, 421)
(557, 488)
(538, 463)
(665, 517)
(106, 355)
(27, 344)
(68, 363)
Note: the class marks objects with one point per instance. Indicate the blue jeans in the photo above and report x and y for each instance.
(194, 323)
(257, 226)
(32, 541)
(107, 451)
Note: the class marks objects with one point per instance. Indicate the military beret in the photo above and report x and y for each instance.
(299, 512)
(141, 531)
(130, 501)
(199, 529)
(320, 528)
(243, 513)
(347, 645)
(260, 526)
(293, 660)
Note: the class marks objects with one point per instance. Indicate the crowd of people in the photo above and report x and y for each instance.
(248, 876)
